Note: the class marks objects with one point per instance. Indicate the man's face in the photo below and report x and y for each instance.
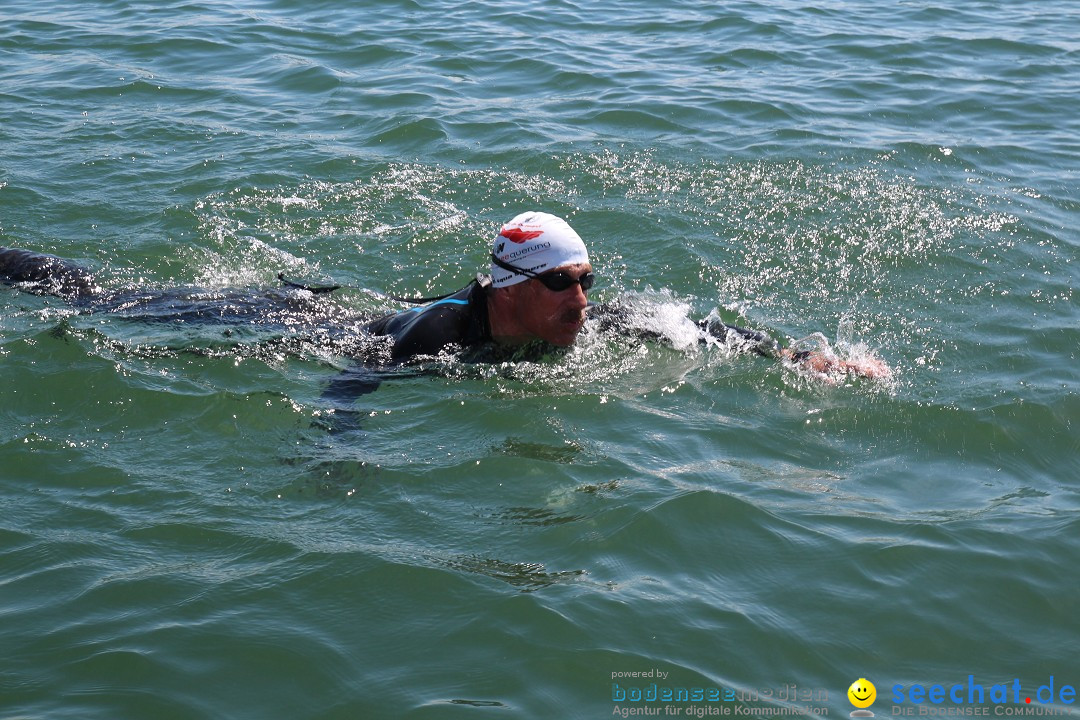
(555, 317)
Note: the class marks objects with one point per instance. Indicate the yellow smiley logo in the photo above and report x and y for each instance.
(862, 693)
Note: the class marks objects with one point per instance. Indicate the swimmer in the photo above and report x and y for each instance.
(537, 292)
(535, 298)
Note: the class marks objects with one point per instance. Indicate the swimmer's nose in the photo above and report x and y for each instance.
(578, 296)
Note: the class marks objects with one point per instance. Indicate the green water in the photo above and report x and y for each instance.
(192, 529)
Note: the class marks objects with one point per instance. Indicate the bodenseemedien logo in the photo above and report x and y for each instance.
(862, 694)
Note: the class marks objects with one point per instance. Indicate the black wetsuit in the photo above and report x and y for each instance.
(458, 321)
(46, 274)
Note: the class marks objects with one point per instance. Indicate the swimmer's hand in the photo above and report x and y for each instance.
(829, 365)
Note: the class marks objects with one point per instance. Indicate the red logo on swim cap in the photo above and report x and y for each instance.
(517, 235)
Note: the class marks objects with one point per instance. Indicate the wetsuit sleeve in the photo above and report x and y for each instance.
(743, 338)
(619, 318)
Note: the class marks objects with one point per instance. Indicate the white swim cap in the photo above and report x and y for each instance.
(537, 242)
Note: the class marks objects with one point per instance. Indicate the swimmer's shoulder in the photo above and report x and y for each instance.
(459, 319)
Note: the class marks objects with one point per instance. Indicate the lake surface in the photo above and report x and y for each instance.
(193, 528)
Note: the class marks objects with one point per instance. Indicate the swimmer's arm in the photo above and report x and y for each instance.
(761, 344)
(741, 338)
(747, 340)
(616, 317)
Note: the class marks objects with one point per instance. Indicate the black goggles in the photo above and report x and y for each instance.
(554, 281)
